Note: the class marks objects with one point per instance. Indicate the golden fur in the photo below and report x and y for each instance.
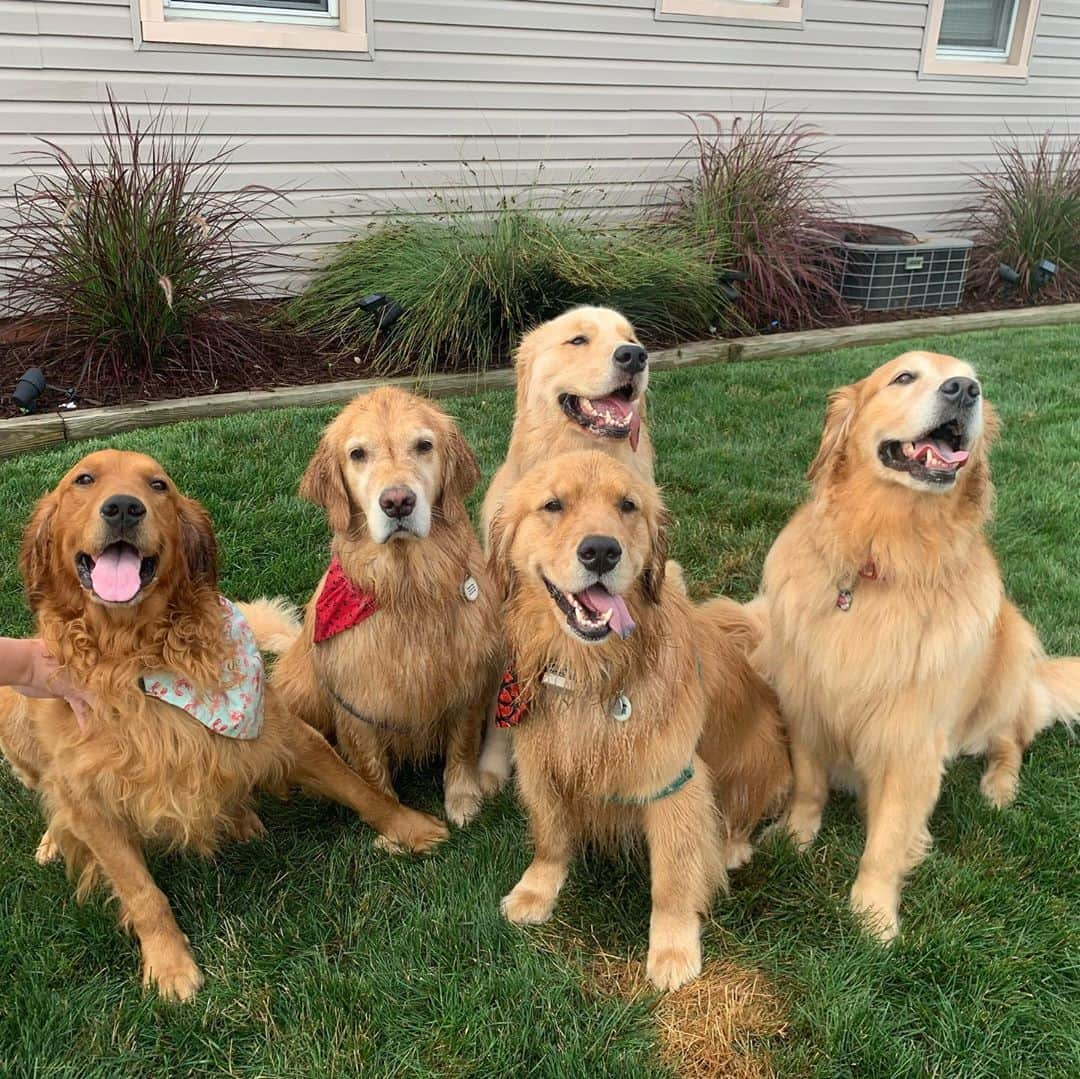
(424, 667)
(548, 363)
(930, 661)
(141, 772)
(572, 756)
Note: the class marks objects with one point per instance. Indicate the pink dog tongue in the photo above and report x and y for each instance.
(115, 575)
(635, 428)
(945, 452)
(621, 409)
(598, 599)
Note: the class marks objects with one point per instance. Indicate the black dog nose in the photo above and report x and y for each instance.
(599, 553)
(630, 358)
(960, 391)
(122, 510)
(397, 502)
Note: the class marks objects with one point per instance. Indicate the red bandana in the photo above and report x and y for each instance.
(341, 605)
(511, 704)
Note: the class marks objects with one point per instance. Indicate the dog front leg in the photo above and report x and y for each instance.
(686, 860)
(532, 899)
(809, 793)
(462, 792)
(898, 807)
(166, 958)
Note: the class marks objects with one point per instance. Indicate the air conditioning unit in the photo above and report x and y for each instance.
(884, 269)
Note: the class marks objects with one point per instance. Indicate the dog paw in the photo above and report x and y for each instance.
(876, 907)
(998, 786)
(669, 967)
(414, 833)
(737, 853)
(248, 827)
(801, 831)
(48, 850)
(463, 803)
(173, 970)
(524, 906)
(491, 783)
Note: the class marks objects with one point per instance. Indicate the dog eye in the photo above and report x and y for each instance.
(553, 505)
(357, 453)
(84, 479)
(425, 445)
(628, 505)
(581, 339)
(903, 378)
(158, 485)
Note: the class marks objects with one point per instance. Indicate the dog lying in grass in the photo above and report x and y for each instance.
(635, 714)
(398, 655)
(121, 573)
(581, 382)
(889, 638)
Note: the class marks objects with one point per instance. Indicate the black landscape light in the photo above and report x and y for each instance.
(1043, 274)
(726, 282)
(385, 310)
(1008, 275)
(32, 385)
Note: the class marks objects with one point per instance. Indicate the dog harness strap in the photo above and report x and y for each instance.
(676, 784)
(341, 605)
(511, 704)
(235, 710)
(344, 705)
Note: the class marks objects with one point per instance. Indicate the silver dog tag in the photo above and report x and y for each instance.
(470, 589)
(621, 708)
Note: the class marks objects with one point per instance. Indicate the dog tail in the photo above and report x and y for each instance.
(1057, 683)
(276, 623)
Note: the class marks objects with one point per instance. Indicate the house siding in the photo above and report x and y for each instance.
(554, 93)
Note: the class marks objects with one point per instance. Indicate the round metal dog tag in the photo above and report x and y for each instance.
(621, 708)
(470, 589)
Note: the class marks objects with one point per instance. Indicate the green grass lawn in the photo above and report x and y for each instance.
(325, 957)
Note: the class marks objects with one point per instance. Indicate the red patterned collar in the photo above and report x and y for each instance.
(341, 605)
(511, 704)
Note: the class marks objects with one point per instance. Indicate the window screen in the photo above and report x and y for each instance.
(977, 25)
(315, 7)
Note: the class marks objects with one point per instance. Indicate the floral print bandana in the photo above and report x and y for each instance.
(236, 709)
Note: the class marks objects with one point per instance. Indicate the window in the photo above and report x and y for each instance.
(979, 38)
(310, 25)
(754, 12)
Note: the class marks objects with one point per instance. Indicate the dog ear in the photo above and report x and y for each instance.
(500, 540)
(36, 550)
(524, 355)
(652, 578)
(198, 543)
(460, 470)
(323, 484)
(991, 424)
(838, 419)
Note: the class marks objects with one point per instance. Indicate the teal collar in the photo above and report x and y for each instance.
(676, 784)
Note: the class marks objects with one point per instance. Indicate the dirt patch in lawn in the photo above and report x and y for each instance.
(706, 1028)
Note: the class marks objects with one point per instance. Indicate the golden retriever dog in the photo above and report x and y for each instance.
(121, 573)
(581, 382)
(408, 672)
(635, 715)
(889, 639)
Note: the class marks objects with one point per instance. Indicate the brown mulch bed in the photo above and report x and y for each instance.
(284, 360)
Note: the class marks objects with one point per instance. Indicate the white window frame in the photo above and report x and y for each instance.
(777, 13)
(1010, 63)
(241, 12)
(253, 28)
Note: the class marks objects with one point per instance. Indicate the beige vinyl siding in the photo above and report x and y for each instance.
(592, 90)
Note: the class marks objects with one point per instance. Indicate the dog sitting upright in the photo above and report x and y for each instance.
(634, 712)
(581, 381)
(398, 655)
(121, 571)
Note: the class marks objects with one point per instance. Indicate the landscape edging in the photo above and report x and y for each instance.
(42, 432)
